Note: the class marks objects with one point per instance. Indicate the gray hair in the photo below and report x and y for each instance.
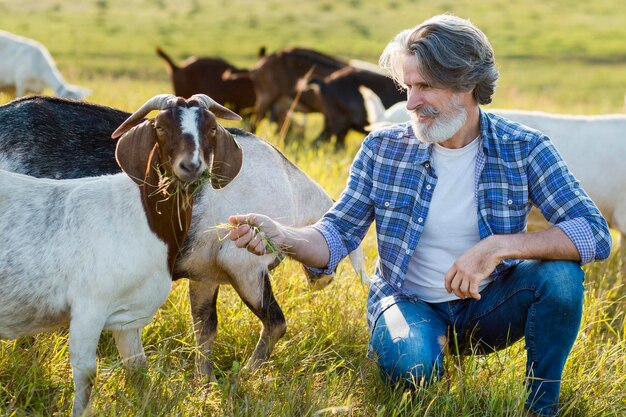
(451, 53)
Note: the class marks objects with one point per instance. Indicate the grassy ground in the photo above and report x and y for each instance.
(554, 55)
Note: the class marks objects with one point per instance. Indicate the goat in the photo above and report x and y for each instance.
(378, 116)
(598, 168)
(344, 106)
(266, 183)
(28, 67)
(276, 76)
(204, 76)
(98, 253)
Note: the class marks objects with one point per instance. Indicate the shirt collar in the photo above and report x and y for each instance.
(487, 132)
(423, 151)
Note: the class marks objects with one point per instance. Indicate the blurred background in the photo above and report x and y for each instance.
(564, 56)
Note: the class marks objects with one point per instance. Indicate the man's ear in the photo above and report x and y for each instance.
(133, 150)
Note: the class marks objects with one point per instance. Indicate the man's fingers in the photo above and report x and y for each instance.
(473, 290)
(239, 219)
(449, 277)
(455, 285)
(464, 288)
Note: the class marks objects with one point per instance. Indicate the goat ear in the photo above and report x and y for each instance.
(133, 150)
(224, 113)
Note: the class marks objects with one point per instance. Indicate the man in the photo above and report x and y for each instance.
(450, 193)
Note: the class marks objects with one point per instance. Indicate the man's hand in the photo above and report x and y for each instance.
(257, 233)
(469, 270)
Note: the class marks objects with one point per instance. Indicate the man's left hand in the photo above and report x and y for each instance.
(471, 268)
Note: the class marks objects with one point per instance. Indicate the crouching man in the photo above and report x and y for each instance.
(450, 193)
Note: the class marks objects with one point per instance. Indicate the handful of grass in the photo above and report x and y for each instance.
(170, 186)
(271, 247)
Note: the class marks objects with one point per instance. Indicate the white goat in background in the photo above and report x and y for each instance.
(594, 148)
(26, 66)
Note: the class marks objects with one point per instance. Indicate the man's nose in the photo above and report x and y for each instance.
(414, 100)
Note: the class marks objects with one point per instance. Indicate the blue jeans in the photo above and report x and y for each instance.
(538, 300)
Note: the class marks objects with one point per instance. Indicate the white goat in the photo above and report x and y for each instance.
(592, 146)
(377, 116)
(97, 253)
(26, 66)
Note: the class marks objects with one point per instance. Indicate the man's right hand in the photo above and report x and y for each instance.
(257, 233)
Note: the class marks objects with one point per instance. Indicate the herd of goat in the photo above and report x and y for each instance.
(95, 230)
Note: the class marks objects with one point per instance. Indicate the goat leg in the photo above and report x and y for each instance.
(203, 301)
(84, 335)
(269, 312)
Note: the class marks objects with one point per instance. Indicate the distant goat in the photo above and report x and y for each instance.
(26, 66)
(73, 141)
(592, 146)
(379, 115)
(344, 106)
(98, 253)
(204, 76)
(276, 76)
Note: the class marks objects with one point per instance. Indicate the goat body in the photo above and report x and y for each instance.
(27, 67)
(62, 250)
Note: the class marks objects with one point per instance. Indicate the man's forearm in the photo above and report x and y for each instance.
(306, 245)
(550, 244)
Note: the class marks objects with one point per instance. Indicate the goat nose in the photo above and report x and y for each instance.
(189, 167)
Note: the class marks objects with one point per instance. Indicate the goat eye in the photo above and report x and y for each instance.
(213, 130)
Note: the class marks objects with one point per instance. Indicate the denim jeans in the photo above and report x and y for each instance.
(538, 300)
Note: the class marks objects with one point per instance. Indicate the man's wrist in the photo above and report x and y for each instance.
(499, 246)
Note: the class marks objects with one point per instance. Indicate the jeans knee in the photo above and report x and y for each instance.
(408, 372)
(561, 282)
(403, 363)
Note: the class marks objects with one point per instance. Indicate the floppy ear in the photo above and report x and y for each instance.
(133, 150)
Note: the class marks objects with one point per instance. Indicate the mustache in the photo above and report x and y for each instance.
(428, 111)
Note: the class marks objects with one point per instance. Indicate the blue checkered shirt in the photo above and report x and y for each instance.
(392, 182)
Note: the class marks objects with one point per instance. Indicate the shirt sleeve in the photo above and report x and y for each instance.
(557, 193)
(346, 223)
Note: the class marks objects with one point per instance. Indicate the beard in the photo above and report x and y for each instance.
(445, 123)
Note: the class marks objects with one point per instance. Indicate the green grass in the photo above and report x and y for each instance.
(558, 56)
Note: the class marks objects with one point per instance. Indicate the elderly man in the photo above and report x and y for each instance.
(450, 193)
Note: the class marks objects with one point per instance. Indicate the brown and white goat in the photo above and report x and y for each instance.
(98, 253)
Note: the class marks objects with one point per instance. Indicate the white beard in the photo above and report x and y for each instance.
(445, 124)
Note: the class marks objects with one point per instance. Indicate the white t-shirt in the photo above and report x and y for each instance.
(451, 226)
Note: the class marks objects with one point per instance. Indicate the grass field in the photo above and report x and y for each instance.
(559, 56)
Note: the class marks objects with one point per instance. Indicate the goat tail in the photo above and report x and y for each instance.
(171, 64)
(373, 106)
(357, 260)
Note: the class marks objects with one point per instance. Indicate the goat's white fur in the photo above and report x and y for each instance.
(79, 252)
(26, 66)
(593, 147)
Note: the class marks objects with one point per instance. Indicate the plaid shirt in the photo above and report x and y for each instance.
(392, 182)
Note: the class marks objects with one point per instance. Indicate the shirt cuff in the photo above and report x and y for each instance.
(579, 232)
(335, 248)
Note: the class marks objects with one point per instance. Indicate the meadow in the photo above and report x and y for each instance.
(558, 56)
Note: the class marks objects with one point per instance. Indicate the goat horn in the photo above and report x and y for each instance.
(212, 105)
(158, 102)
